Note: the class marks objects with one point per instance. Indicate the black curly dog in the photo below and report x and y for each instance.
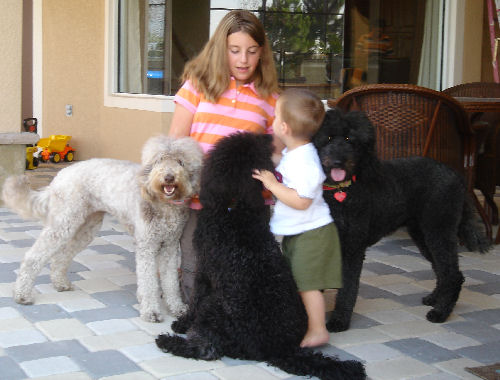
(370, 199)
(245, 302)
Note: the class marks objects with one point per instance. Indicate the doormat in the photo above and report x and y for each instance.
(488, 372)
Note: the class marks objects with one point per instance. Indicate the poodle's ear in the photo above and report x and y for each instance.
(365, 132)
(143, 176)
(189, 154)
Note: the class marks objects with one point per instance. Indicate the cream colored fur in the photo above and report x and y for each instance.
(72, 208)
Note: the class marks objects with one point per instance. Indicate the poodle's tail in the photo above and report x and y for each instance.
(18, 195)
(469, 233)
(306, 362)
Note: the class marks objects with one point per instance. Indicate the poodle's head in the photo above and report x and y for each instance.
(171, 169)
(226, 178)
(345, 143)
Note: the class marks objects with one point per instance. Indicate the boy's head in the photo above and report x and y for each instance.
(302, 111)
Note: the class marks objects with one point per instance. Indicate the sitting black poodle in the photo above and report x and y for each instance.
(370, 199)
(245, 302)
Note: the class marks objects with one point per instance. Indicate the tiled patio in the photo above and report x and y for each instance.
(95, 332)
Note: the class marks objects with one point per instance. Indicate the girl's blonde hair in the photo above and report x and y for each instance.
(209, 70)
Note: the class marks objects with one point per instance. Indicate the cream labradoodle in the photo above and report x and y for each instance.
(150, 200)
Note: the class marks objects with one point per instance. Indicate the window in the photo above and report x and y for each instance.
(157, 37)
(327, 46)
(393, 41)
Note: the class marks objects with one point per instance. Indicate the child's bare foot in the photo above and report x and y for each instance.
(315, 338)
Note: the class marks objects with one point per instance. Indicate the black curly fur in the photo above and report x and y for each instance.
(427, 197)
(245, 303)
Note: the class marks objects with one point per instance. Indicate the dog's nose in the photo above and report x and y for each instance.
(169, 178)
(337, 163)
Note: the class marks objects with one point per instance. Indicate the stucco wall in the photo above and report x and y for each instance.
(73, 73)
(10, 65)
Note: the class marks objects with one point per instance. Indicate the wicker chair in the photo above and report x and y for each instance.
(488, 160)
(415, 121)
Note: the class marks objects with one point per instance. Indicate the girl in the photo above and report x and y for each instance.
(229, 86)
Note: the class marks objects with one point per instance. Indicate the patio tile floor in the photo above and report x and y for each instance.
(95, 332)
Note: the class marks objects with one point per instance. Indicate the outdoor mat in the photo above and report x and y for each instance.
(488, 372)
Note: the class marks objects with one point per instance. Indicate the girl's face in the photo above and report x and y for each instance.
(243, 55)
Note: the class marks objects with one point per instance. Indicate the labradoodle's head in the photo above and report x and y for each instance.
(170, 169)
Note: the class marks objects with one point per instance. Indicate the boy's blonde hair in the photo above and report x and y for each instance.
(302, 110)
(209, 70)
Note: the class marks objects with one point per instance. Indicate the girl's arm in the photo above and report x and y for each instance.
(181, 122)
(288, 196)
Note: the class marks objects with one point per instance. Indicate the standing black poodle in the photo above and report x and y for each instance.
(370, 199)
(245, 302)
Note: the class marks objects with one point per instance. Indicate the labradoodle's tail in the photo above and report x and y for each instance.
(469, 233)
(306, 362)
(18, 196)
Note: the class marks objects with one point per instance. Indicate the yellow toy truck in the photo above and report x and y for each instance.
(55, 148)
(31, 159)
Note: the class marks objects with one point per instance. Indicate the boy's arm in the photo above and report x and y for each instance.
(288, 196)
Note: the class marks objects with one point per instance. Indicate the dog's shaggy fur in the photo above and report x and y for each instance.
(149, 200)
(427, 197)
(245, 303)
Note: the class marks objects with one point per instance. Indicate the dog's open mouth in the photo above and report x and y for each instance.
(337, 174)
(169, 190)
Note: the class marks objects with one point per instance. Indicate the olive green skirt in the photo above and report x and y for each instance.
(315, 258)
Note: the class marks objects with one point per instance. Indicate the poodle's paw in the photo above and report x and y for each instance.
(180, 326)
(436, 316)
(23, 299)
(63, 287)
(152, 316)
(429, 300)
(165, 342)
(336, 324)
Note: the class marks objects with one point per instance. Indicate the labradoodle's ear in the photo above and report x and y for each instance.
(143, 178)
(190, 155)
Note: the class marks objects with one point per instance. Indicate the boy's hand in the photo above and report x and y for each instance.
(288, 196)
(266, 177)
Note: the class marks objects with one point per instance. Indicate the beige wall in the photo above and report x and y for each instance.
(473, 31)
(10, 65)
(73, 73)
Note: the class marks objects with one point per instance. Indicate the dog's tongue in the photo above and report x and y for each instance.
(337, 174)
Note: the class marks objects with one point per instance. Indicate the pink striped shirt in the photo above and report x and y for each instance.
(238, 109)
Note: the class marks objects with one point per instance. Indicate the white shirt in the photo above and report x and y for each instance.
(301, 170)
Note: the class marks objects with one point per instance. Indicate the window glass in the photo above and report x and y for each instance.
(328, 46)
(392, 41)
(155, 39)
(306, 37)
